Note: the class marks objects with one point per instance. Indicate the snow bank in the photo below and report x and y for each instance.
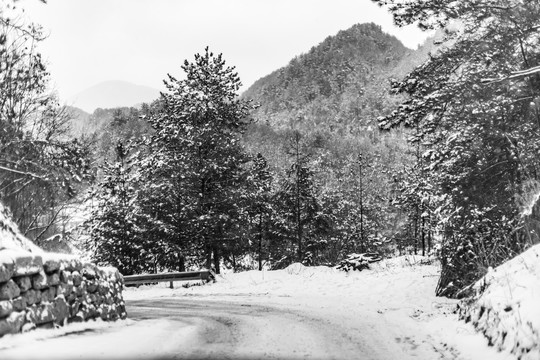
(505, 306)
(382, 279)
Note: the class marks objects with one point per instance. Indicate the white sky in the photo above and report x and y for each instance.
(142, 40)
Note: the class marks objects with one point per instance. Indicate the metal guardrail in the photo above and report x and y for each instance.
(204, 275)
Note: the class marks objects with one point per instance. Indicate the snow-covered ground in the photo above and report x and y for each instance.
(506, 305)
(395, 298)
(388, 312)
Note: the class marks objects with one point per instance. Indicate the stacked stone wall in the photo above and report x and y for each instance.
(47, 290)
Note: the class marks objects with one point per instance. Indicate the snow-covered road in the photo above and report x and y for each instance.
(296, 313)
(202, 328)
(241, 330)
(236, 328)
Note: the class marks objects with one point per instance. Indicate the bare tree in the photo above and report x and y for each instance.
(39, 165)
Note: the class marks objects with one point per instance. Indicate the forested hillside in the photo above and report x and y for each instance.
(105, 127)
(339, 85)
(325, 104)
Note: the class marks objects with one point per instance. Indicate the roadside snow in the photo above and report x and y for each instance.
(123, 339)
(395, 300)
(19, 340)
(506, 305)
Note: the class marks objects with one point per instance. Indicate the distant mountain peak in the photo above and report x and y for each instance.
(111, 94)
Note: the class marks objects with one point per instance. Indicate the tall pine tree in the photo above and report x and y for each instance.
(197, 166)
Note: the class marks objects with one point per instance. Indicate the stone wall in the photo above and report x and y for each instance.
(45, 289)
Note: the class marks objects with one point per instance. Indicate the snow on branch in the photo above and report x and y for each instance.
(513, 76)
(26, 173)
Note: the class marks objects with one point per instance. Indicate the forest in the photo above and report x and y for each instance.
(360, 145)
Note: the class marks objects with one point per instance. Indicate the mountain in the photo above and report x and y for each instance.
(341, 85)
(111, 94)
(333, 95)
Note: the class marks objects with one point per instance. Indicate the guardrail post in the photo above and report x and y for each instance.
(171, 285)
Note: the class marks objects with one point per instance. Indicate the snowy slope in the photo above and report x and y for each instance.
(11, 238)
(506, 305)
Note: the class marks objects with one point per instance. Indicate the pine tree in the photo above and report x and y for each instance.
(196, 164)
(300, 206)
(115, 237)
(260, 206)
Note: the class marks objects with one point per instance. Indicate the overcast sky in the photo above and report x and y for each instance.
(140, 41)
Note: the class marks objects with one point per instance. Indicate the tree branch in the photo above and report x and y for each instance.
(513, 76)
(21, 172)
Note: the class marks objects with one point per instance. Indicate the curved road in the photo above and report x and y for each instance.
(197, 327)
(231, 330)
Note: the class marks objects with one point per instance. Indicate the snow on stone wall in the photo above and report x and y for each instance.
(47, 289)
(505, 306)
(39, 289)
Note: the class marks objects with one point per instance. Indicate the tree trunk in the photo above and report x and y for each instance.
(208, 254)
(260, 241)
(298, 220)
(423, 235)
(416, 232)
(181, 264)
(430, 234)
(216, 259)
(362, 245)
(298, 204)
